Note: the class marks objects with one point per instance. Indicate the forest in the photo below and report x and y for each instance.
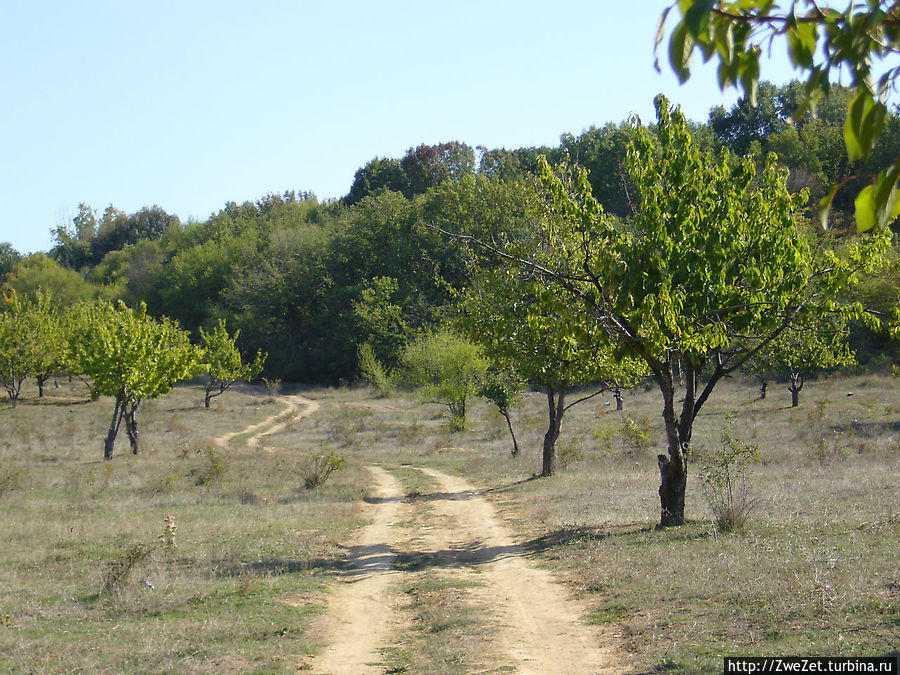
(291, 272)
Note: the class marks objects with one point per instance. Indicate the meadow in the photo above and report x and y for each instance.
(205, 556)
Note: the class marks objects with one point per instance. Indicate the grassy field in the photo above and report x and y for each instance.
(88, 580)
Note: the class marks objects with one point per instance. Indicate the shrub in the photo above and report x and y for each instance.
(636, 433)
(723, 476)
(374, 372)
(118, 571)
(317, 468)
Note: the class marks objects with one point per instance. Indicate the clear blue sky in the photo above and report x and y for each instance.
(190, 104)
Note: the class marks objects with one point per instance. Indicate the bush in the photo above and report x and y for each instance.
(317, 468)
(374, 372)
(723, 476)
(118, 571)
(636, 433)
(447, 368)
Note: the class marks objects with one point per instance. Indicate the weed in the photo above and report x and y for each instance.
(456, 423)
(119, 571)
(213, 470)
(167, 536)
(636, 433)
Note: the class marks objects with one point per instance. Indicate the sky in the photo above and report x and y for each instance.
(191, 104)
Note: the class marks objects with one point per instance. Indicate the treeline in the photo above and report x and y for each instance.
(310, 282)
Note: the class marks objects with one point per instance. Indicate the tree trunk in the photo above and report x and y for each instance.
(206, 401)
(515, 450)
(131, 428)
(555, 401)
(113, 428)
(673, 469)
(763, 385)
(795, 387)
(673, 484)
(41, 379)
(617, 393)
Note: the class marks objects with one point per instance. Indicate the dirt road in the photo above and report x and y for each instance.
(538, 626)
(274, 423)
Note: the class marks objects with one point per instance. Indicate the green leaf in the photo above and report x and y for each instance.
(660, 33)
(681, 48)
(865, 209)
(865, 120)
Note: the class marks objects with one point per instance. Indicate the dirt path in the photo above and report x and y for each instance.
(540, 625)
(360, 619)
(274, 423)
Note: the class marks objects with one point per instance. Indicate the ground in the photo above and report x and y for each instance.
(430, 550)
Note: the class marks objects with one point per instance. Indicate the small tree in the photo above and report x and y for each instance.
(502, 386)
(521, 322)
(223, 363)
(823, 344)
(447, 368)
(130, 356)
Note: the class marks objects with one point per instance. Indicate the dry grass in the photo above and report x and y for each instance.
(813, 572)
(87, 577)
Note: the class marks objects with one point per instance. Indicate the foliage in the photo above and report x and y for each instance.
(447, 368)
(636, 433)
(130, 356)
(723, 475)
(373, 371)
(820, 41)
(380, 319)
(709, 271)
(40, 273)
(316, 469)
(222, 361)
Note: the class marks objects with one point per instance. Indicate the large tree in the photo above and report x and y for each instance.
(709, 271)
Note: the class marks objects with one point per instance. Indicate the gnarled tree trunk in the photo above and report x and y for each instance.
(617, 394)
(131, 427)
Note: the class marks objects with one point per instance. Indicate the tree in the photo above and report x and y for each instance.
(804, 349)
(520, 322)
(426, 166)
(502, 386)
(820, 41)
(376, 176)
(223, 363)
(32, 341)
(447, 368)
(130, 356)
(9, 258)
(710, 270)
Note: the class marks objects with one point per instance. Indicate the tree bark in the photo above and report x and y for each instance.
(617, 393)
(131, 428)
(515, 450)
(41, 379)
(763, 385)
(673, 484)
(556, 408)
(113, 428)
(795, 387)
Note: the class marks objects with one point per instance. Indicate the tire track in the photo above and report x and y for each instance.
(360, 618)
(271, 424)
